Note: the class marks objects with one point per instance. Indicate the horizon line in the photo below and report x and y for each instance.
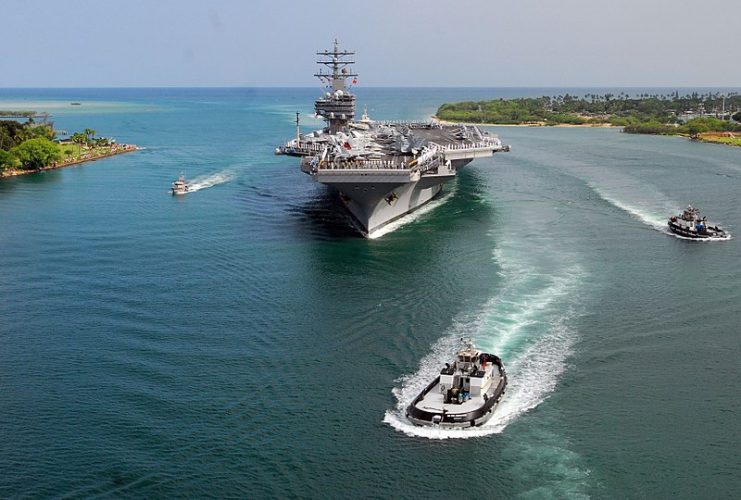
(182, 87)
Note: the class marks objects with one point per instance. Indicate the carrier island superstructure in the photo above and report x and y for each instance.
(382, 170)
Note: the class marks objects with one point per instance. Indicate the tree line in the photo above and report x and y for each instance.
(616, 109)
(31, 145)
(27, 145)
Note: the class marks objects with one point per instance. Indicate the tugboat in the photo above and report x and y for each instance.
(464, 395)
(180, 186)
(690, 225)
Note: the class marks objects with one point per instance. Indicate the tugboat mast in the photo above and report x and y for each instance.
(337, 107)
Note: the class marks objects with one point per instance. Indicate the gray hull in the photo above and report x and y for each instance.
(374, 203)
(382, 170)
(372, 214)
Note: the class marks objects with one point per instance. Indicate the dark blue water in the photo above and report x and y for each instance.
(243, 341)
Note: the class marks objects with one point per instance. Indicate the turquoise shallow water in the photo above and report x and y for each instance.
(242, 340)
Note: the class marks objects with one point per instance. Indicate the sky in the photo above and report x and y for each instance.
(477, 43)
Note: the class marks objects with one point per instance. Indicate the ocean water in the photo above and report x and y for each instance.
(244, 341)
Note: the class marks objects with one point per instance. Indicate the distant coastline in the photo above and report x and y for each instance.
(529, 124)
(711, 117)
(724, 138)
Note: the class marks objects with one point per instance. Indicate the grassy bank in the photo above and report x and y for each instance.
(727, 139)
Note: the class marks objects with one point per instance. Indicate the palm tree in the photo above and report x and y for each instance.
(78, 138)
(89, 133)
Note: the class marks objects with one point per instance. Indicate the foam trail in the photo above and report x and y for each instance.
(208, 181)
(646, 214)
(649, 216)
(535, 324)
(638, 198)
(535, 374)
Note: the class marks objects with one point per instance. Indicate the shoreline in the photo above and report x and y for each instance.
(125, 148)
(724, 138)
(706, 137)
(535, 124)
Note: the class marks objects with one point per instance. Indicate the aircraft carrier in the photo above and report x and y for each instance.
(382, 170)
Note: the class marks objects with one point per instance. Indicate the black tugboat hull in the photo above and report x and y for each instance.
(473, 418)
(709, 234)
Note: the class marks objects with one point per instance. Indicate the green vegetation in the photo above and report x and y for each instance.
(8, 160)
(36, 153)
(31, 146)
(27, 145)
(644, 114)
(692, 127)
(87, 138)
(730, 141)
(540, 110)
(12, 133)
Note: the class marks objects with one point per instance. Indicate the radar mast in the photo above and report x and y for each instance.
(337, 106)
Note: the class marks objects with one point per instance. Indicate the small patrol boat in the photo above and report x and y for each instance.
(464, 395)
(180, 186)
(690, 225)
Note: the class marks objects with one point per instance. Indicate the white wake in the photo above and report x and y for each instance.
(527, 324)
(654, 213)
(207, 181)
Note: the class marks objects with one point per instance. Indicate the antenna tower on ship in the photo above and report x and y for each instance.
(337, 106)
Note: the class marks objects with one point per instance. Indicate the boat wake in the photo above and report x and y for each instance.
(654, 214)
(528, 325)
(648, 213)
(207, 181)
